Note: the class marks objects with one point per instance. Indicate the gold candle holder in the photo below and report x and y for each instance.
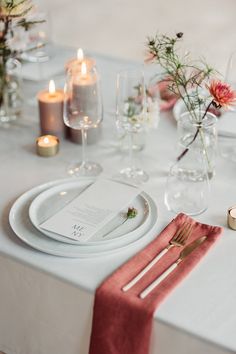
(231, 219)
(47, 145)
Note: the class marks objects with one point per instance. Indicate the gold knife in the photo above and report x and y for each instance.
(185, 252)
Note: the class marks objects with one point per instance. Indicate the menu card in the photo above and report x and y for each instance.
(91, 210)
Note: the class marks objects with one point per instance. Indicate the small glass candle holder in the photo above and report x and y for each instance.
(231, 217)
(47, 145)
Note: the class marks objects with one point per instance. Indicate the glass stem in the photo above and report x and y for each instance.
(131, 154)
(84, 145)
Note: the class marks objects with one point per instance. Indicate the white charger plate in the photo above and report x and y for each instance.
(49, 202)
(23, 228)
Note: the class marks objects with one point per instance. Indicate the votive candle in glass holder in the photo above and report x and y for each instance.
(231, 217)
(50, 104)
(47, 145)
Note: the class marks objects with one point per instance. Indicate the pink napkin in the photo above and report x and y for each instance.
(122, 322)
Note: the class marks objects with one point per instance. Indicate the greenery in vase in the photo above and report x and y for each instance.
(13, 16)
(194, 81)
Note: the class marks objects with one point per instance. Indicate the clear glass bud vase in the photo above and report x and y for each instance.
(10, 95)
(187, 193)
(187, 186)
(197, 139)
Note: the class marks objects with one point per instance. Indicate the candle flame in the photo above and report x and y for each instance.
(83, 69)
(80, 55)
(51, 87)
(46, 140)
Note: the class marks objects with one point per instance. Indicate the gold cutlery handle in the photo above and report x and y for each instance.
(146, 269)
(158, 280)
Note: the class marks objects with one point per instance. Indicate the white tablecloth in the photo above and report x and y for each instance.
(46, 301)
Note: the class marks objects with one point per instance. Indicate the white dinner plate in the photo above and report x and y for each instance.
(23, 228)
(49, 202)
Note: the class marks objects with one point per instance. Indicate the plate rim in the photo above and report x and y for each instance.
(65, 253)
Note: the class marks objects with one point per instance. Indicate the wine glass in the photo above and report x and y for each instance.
(83, 110)
(140, 137)
(131, 116)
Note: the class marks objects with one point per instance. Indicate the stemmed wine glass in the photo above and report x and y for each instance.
(83, 110)
(131, 115)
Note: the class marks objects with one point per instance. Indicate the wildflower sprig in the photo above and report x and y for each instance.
(188, 79)
(185, 77)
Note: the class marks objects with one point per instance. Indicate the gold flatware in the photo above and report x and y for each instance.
(178, 240)
(185, 252)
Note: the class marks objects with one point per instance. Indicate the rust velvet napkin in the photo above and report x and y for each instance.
(122, 322)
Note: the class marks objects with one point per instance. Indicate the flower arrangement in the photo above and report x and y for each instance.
(13, 18)
(191, 80)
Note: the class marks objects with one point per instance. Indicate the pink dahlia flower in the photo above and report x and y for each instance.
(223, 95)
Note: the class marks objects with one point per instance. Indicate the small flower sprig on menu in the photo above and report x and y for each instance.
(188, 78)
(130, 214)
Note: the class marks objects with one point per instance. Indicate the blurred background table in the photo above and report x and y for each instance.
(120, 28)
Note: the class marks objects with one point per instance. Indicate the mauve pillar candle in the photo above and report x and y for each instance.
(50, 104)
(93, 136)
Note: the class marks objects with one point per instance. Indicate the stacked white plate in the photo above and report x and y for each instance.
(38, 204)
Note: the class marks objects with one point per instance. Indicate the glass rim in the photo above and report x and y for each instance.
(204, 122)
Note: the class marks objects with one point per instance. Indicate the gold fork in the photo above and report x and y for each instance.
(178, 240)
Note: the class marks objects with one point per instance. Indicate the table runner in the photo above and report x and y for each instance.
(122, 322)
